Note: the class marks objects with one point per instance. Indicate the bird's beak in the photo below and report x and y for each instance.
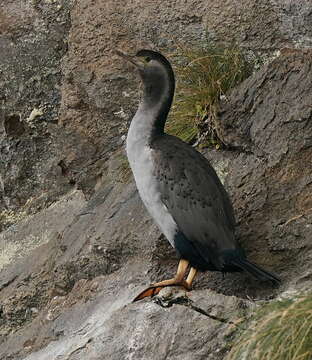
(135, 61)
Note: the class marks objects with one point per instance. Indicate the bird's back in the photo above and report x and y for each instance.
(196, 199)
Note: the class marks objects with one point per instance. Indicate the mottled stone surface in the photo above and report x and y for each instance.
(65, 98)
(268, 122)
(33, 231)
(33, 40)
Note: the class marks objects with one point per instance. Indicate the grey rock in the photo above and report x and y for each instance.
(33, 231)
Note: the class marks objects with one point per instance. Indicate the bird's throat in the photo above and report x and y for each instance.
(156, 103)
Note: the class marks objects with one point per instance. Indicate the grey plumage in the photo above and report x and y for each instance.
(204, 217)
(177, 184)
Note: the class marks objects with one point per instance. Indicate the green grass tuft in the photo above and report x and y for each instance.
(203, 76)
(281, 330)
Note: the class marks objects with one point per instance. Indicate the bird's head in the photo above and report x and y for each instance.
(154, 69)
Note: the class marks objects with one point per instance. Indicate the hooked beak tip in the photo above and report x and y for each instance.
(120, 53)
(128, 58)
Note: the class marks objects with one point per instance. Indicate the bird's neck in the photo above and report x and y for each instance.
(151, 116)
(157, 100)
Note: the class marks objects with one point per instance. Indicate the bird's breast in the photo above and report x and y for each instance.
(140, 157)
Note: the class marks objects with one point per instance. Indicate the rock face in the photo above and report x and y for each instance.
(33, 40)
(65, 102)
(83, 245)
(268, 120)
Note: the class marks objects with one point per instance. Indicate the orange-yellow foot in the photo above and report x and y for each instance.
(154, 289)
(176, 281)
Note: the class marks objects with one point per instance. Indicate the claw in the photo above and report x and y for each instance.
(149, 292)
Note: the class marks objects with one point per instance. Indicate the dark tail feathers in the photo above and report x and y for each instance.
(256, 270)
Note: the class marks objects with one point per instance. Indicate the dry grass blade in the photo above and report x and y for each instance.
(204, 75)
(281, 330)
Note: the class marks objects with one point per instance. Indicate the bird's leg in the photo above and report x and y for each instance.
(177, 280)
(190, 277)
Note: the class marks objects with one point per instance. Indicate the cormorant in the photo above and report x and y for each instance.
(179, 187)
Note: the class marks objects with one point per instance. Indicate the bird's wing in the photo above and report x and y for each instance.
(195, 197)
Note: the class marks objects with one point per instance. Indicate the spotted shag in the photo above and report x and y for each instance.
(179, 187)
